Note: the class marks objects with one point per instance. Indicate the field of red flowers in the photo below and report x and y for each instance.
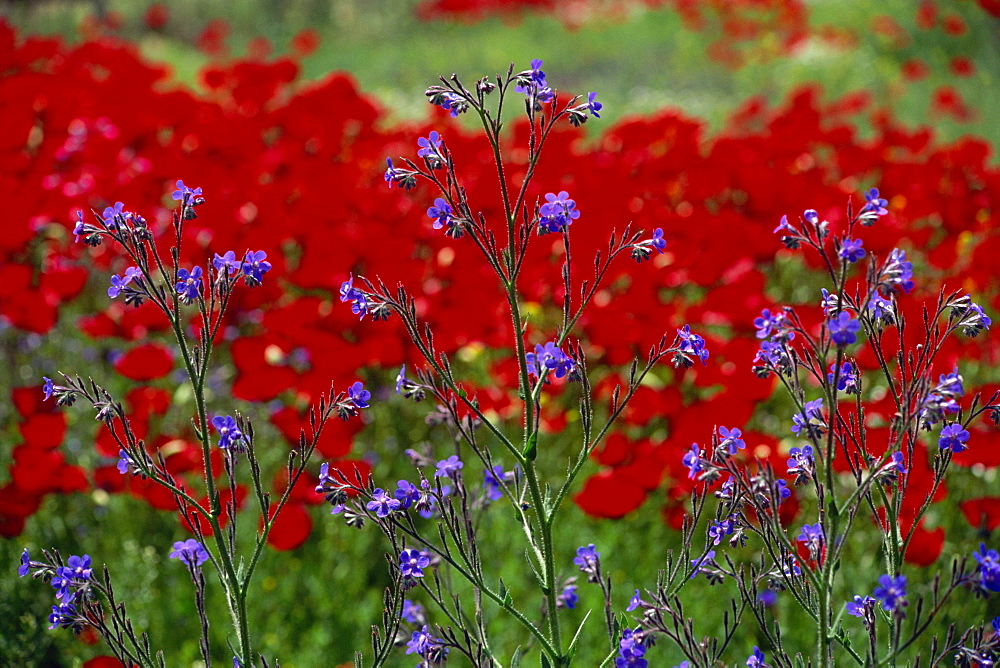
(294, 167)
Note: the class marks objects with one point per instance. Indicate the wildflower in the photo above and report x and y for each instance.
(858, 605)
(756, 660)
(449, 467)
(187, 196)
(430, 149)
(358, 395)
(334, 491)
(568, 597)
(843, 329)
(382, 504)
(767, 598)
(558, 212)
(124, 462)
(784, 226)
(830, 302)
(847, 379)
(897, 272)
(768, 324)
(229, 432)
(226, 263)
(693, 461)
(118, 283)
(953, 437)
(441, 214)
(254, 267)
(851, 250)
(935, 407)
(593, 105)
(719, 530)
(634, 602)
(892, 468)
(812, 536)
(189, 284)
(730, 439)
(47, 388)
(549, 358)
(810, 419)
(988, 569)
(772, 356)
(113, 216)
(407, 493)
(190, 553)
(491, 482)
(781, 489)
(631, 650)
(589, 561)
(412, 612)
(881, 310)
(412, 563)
(874, 207)
(972, 318)
(703, 564)
(63, 616)
(451, 102)
(406, 179)
(25, 566)
(690, 344)
(892, 593)
(950, 384)
(431, 649)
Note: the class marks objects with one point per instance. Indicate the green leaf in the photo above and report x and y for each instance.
(531, 449)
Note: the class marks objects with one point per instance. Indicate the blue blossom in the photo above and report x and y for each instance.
(830, 302)
(631, 650)
(187, 196)
(190, 552)
(593, 105)
(412, 612)
(451, 102)
(691, 344)
(535, 73)
(897, 272)
(988, 569)
(491, 482)
(730, 439)
(801, 464)
(441, 214)
(634, 602)
(810, 419)
(589, 561)
(892, 594)
(359, 396)
(407, 493)
(874, 207)
(971, 317)
(124, 462)
(703, 563)
(532, 83)
(118, 283)
(334, 491)
(348, 292)
(893, 468)
(756, 660)
(449, 467)
(719, 530)
(227, 263)
(781, 489)
(189, 284)
(693, 461)
(406, 179)
(47, 388)
(857, 607)
(382, 504)
(63, 616)
(568, 597)
(935, 407)
(950, 384)
(229, 432)
(953, 437)
(810, 216)
(768, 324)
(658, 242)
(812, 536)
(549, 358)
(558, 212)
(847, 380)
(412, 563)
(25, 566)
(115, 215)
(431, 649)
(767, 597)
(851, 250)
(254, 267)
(784, 226)
(843, 328)
(430, 148)
(881, 310)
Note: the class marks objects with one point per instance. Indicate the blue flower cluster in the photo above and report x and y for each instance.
(549, 358)
(71, 583)
(190, 552)
(558, 213)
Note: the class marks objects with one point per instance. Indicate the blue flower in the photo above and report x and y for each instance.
(359, 395)
(783, 226)
(702, 564)
(810, 419)
(589, 561)
(692, 344)
(881, 310)
(781, 489)
(63, 616)
(857, 607)
(114, 216)
(897, 272)
(449, 467)
(47, 388)
(254, 267)
(25, 566)
(594, 105)
(874, 207)
(988, 568)
(631, 650)
(430, 148)
(950, 384)
(801, 463)
(812, 536)
(124, 462)
(634, 602)
(892, 593)
(187, 195)
(189, 284)
(719, 530)
(693, 461)
(658, 242)
(767, 597)
(852, 250)
(535, 73)
(756, 660)
(847, 380)
(491, 482)
(412, 563)
(118, 283)
(227, 263)
(190, 552)
(382, 504)
(412, 612)
(768, 324)
(953, 437)
(810, 216)
(730, 439)
(441, 214)
(843, 328)
(568, 597)
(229, 432)
(407, 493)
(558, 212)
(431, 649)
(549, 358)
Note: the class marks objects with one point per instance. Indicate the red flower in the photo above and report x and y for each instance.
(146, 362)
(291, 526)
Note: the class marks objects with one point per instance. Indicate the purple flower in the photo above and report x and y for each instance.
(801, 464)
(631, 650)
(812, 536)
(658, 242)
(187, 195)
(227, 263)
(47, 388)
(881, 310)
(810, 419)
(190, 552)
(567, 597)
(254, 267)
(441, 214)
(118, 283)
(491, 482)
(124, 462)
(847, 380)
(431, 649)
(449, 467)
(843, 328)
(412, 612)
(892, 593)
(382, 504)
(189, 284)
(407, 493)
(634, 602)
(897, 272)
(810, 216)
(593, 105)
(781, 489)
(783, 226)
(430, 148)
(950, 384)
(857, 607)
(113, 216)
(730, 439)
(63, 616)
(692, 344)
(702, 564)
(359, 396)
(953, 437)
(412, 563)
(229, 432)
(558, 212)
(767, 597)
(988, 568)
(852, 250)
(767, 323)
(693, 461)
(756, 660)
(549, 358)
(874, 207)
(535, 73)
(25, 566)
(719, 530)
(451, 102)
(589, 561)
(348, 292)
